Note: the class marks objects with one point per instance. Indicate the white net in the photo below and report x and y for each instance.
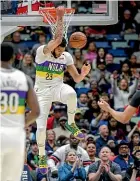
(53, 23)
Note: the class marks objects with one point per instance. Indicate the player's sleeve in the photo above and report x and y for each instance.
(69, 59)
(57, 155)
(135, 102)
(86, 159)
(40, 56)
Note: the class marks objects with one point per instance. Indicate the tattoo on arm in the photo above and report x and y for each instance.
(59, 29)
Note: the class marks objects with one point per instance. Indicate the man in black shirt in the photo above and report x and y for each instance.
(104, 169)
(125, 116)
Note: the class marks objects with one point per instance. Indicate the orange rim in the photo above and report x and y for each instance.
(52, 12)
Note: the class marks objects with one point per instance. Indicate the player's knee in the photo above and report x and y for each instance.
(41, 129)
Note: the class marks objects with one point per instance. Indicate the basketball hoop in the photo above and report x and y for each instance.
(49, 16)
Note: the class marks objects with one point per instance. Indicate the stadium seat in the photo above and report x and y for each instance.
(30, 44)
(117, 59)
(117, 52)
(114, 37)
(103, 44)
(119, 44)
(131, 43)
(128, 37)
(25, 37)
(82, 9)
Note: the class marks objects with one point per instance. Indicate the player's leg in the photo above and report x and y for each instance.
(45, 104)
(13, 159)
(67, 95)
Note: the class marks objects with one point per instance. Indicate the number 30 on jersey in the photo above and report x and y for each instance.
(9, 102)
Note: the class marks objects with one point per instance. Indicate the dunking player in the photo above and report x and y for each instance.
(125, 116)
(51, 60)
(16, 91)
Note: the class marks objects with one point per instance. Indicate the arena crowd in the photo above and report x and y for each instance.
(114, 54)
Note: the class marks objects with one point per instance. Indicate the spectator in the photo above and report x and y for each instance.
(112, 146)
(116, 129)
(50, 146)
(133, 60)
(80, 122)
(72, 168)
(135, 142)
(103, 139)
(110, 65)
(61, 130)
(29, 135)
(20, 47)
(59, 155)
(27, 66)
(32, 157)
(53, 121)
(91, 52)
(104, 169)
(122, 92)
(101, 55)
(93, 111)
(105, 97)
(91, 150)
(83, 102)
(133, 172)
(125, 71)
(123, 159)
(42, 41)
(101, 119)
(78, 59)
(128, 25)
(95, 89)
(101, 75)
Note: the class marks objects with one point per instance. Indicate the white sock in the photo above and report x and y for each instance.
(71, 117)
(41, 150)
(41, 138)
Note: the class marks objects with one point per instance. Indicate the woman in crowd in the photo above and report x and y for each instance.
(72, 168)
(50, 146)
(93, 111)
(91, 52)
(122, 91)
(125, 71)
(78, 59)
(27, 66)
(91, 150)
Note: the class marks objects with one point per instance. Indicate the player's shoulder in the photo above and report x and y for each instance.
(67, 54)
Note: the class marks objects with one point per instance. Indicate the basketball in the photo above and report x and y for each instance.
(77, 40)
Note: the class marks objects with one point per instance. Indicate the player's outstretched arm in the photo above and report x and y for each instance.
(122, 117)
(32, 104)
(74, 73)
(59, 31)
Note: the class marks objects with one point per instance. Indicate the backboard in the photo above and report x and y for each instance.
(87, 12)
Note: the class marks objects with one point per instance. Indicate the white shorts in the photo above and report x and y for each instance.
(46, 96)
(12, 153)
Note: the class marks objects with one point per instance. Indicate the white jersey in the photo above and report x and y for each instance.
(50, 70)
(14, 88)
(60, 155)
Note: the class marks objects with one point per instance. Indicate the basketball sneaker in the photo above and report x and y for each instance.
(43, 167)
(75, 130)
